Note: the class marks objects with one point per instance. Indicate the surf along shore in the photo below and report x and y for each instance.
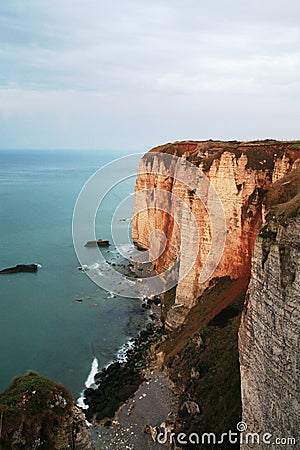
(132, 399)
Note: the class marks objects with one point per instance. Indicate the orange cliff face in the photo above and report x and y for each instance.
(201, 240)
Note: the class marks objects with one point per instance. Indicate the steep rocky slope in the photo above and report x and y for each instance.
(241, 174)
(269, 332)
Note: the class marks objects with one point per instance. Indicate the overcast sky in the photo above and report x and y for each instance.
(132, 74)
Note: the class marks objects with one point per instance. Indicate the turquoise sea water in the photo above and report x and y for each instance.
(42, 327)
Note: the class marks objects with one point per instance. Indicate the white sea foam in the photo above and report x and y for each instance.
(95, 267)
(126, 248)
(122, 354)
(123, 249)
(80, 402)
(89, 383)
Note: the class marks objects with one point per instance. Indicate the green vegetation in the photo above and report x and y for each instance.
(295, 145)
(31, 408)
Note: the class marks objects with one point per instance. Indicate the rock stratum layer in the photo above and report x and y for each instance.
(240, 173)
(269, 332)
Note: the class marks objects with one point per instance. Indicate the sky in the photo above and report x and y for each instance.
(128, 75)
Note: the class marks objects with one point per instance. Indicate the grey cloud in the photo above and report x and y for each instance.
(118, 61)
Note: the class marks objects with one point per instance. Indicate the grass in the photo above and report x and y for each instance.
(36, 406)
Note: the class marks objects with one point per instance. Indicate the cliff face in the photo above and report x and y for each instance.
(258, 184)
(241, 174)
(269, 332)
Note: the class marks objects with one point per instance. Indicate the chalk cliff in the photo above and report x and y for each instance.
(240, 173)
(258, 184)
(269, 332)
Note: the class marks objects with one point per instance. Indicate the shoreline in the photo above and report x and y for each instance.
(120, 356)
(131, 399)
(115, 383)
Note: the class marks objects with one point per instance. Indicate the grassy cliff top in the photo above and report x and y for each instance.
(32, 407)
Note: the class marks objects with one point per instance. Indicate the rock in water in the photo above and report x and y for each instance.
(97, 243)
(20, 268)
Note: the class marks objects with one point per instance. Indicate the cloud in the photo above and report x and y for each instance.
(118, 63)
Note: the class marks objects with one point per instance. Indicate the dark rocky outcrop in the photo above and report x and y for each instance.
(97, 243)
(20, 268)
(119, 381)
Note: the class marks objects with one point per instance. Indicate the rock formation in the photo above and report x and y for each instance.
(37, 413)
(240, 174)
(269, 332)
(20, 268)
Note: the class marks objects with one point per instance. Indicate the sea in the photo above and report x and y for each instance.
(57, 321)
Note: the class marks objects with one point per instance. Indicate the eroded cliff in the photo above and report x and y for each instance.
(240, 174)
(269, 332)
(258, 185)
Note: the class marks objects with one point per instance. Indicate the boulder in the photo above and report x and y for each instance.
(97, 243)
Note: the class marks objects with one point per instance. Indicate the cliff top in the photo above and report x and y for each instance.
(260, 154)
